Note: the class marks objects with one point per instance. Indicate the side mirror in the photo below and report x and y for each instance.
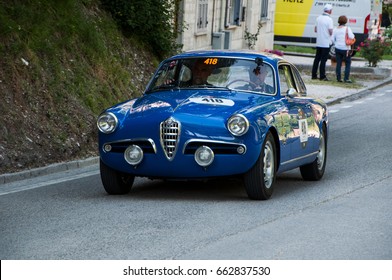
(291, 92)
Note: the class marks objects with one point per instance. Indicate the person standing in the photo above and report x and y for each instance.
(385, 19)
(324, 29)
(342, 51)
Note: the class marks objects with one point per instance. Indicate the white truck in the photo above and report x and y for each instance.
(295, 19)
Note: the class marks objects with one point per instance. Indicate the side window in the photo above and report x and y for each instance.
(166, 73)
(202, 16)
(185, 75)
(286, 79)
(264, 9)
(301, 88)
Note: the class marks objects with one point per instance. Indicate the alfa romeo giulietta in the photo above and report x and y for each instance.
(209, 114)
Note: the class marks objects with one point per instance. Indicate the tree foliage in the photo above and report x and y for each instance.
(153, 21)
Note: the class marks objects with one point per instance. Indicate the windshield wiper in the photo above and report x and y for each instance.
(206, 86)
(163, 87)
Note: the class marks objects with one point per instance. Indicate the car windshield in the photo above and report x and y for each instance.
(215, 72)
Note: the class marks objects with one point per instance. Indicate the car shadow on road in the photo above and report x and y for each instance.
(213, 189)
(219, 189)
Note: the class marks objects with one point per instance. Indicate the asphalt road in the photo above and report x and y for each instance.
(347, 215)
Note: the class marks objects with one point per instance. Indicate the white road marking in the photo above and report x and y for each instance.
(13, 189)
(340, 106)
(370, 98)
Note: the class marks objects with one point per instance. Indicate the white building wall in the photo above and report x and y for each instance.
(193, 40)
(266, 36)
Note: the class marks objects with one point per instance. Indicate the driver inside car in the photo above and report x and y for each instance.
(200, 73)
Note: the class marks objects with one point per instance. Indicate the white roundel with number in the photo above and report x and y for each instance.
(212, 101)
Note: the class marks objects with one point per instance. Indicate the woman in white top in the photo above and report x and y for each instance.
(341, 49)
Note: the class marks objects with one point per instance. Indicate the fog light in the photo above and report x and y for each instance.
(204, 156)
(133, 155)
(241, 150)
(107, 148)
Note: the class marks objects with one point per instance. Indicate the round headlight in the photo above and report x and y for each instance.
(238, 125)
(204, 156)
(107, 123)
(133, 155)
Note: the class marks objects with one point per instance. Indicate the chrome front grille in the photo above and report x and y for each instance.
(170, 134)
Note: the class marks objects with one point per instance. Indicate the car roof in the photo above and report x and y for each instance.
(246, 54)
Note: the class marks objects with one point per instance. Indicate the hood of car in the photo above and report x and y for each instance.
(203, 103)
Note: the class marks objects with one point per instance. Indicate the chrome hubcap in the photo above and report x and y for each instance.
(321, 153)
(269, 165)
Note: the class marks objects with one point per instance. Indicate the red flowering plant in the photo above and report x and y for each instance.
(373, 50)
(277, 52)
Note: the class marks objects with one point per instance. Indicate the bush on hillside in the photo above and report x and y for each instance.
(150, 20)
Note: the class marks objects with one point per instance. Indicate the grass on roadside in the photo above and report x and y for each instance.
(310, 50)
(295, 49)
(332, 82)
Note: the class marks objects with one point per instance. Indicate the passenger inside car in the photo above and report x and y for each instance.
(257, 77)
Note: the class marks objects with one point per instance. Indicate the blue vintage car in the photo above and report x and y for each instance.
(208, 114)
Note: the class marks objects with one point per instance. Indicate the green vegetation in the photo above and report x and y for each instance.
(71, 49)
(388, 37)
(309, 50)
(149, 20)
(251, 38)
(373, 50)
(333, 82)
(62, 63)
(295, 49)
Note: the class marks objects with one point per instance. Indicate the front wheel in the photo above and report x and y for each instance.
(315, 170)
(259, 180)
(115, 182)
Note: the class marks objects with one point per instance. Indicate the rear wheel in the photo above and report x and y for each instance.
(115, 182)
(259, 180)
(315, 170)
